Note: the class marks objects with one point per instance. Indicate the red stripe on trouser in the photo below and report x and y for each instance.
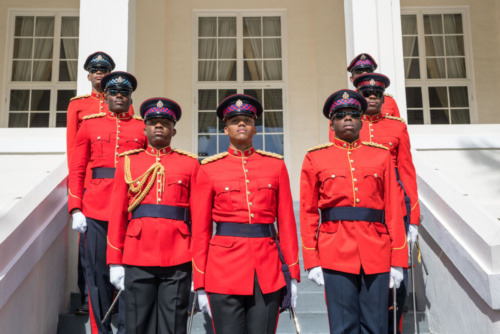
(212, 318)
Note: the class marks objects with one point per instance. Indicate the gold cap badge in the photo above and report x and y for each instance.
(99, 57)
(363, 57)
(120, 79)
(345, 96)
(159, 104)
(239, 103)
(372, 82)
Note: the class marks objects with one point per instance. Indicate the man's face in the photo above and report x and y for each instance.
(159, 132)
(359, 71)
(119, 100)
(240, 129)
(346, 128)
(95, 75)
(375, 99)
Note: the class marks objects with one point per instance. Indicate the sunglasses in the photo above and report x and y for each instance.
(94, 70)
(352, 113)
(362, 70)
(115, 92)
(367, 93)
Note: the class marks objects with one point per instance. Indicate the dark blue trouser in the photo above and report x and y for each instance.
(400, 300)
(356, 303)
(82, 281)
(101, 291)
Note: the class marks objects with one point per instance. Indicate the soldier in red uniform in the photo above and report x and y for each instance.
(360, 248)
(392, 133)
(246, 265)
(100, 139)
(149, 253)
(364, 63)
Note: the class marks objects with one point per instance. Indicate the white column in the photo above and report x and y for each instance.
(108, 26)
(374, 27)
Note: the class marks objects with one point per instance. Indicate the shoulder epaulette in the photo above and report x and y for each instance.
(131, 152)
(214, 158)
(270, 154)
(319, 147)
(138, 117)
(387, 94)
(101, 114)
(189, 154)
(79, 97)
(375, 145)
(396, 118)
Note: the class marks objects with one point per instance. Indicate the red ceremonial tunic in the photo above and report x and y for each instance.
(393, 134)
(242, 187)
(151, 241)
(340, 174)
(98, 143)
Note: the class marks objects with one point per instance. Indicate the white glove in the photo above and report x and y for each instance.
(294, 293)
(203, 302)
(117, 276)
(79, 222)
(316, 275)
(396, 277)
(412, 234)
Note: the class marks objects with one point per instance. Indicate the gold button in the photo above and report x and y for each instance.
(235, 153)
(227, 188)
(99, 137)
(345, 145)
(158, 159)
(372, 136)
(245, 162)
(353, 169)
(269, 185)
(355, 180)
(248, 192)
(352, 160)
(390, 143)
(246, 170)
(248, 181)
(375, 175)
(159, 190)
(349, 152)
(159, 199)
(118, 138)
(251, 215)
(355, 189)
(152, 151)
(357, 200)
(118, 126)
(371, 129)
(116, 153)
(180, 182)
(333, 175)
(118, 131)
(102, 107)
(250, 203)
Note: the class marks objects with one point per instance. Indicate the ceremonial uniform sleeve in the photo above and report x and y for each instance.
(408, 176)
(202, 227)
(390, 107)
(287, 227)
(118, 216)
(78, 166)
(394, 217)
(71, 129)
(309, 215)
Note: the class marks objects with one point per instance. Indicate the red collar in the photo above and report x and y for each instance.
(123, 115)
(241, 154)
(372, 118)
(99, 96)
(343, 144)
(160, 152)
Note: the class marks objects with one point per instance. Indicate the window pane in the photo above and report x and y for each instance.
(207, 99)
(207, 145)
(221, 126)
(43, 48)
(70, 26)
(207, 122)
(273, 122)
(68, 70)
(63, 97)
(272, 26)
(415, 117)
(251, 26)
(227, 70)
(459, 97)
(273, 99)
(433, 24)
(252, 70)
(460, 116)
(69, 48)
(227, 26)
(19, 100)
(40, 100)
(434, 46)
(274, 143)
(410, 46)
(272, 48)
(42, 71)
(255, 93)
(61, 120)
(18, 120)
(258, 142)
(207, 26)
(39, 120)
(23, 48)
(453, 24)
(227, 48)
(258, 124)
(207, 71)
(223, 93)
(207, 49)
(24, 27)
(436, 68)
(440, 117)
(272, 70)
(413, 97)
(456, 67)
(44, 26)
(454, 45)
(252, 48)
(409, 24)
(223, 143)
(438, 97)
(21, 70)
(412, 69)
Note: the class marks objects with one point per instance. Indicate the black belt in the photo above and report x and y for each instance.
(260, 231)
(162, 211)
(103, 173)
(352, 213)
(407, 202)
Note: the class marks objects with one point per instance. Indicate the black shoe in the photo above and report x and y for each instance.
(83, 310)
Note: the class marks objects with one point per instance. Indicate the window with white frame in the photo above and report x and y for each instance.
(436, 51)
(239, 53)
(42, 72)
